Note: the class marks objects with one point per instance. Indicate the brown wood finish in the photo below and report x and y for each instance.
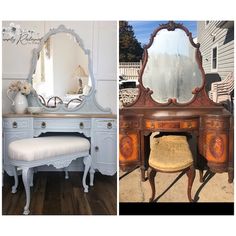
(129, 149)
(52, 194)
(210, 122)
(190, 172)
(200, 97)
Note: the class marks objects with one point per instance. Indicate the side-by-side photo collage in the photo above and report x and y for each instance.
(118, 117)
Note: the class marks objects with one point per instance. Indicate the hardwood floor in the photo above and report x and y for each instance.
(52, 194)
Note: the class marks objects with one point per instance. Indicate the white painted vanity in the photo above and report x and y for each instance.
(100, 128)
(85, 117)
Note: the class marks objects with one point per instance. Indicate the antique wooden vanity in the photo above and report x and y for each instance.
(172, 98)
(85, 117)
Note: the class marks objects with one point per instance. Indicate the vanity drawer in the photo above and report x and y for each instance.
(215, 123)
(17, 123)
(105, 124)
(168, 125)
(127, 124)
(62, 124)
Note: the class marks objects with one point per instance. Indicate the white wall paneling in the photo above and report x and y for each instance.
(108, 94)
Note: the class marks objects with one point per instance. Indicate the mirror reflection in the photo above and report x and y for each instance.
(61, 75)
(171, 70)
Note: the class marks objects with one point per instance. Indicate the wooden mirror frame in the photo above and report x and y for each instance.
(200, 97)
(89, 103)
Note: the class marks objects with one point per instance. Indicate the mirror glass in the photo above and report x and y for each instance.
(61, 75)
(172, 70)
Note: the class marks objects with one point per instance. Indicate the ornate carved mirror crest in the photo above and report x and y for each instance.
(172, 72)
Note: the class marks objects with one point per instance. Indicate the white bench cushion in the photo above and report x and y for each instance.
(46, 147)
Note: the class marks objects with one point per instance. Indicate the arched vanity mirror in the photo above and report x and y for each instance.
(61, 72)
(172, 70)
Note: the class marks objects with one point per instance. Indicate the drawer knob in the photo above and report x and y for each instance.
(109, 125)
(14, 125)
(43, 125)
(127, 125)
(96, 148)
(81, 125)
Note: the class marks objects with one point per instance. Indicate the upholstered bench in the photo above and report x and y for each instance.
(171, 154)
(58, 151)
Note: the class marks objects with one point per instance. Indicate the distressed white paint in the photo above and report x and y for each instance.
(101, 130)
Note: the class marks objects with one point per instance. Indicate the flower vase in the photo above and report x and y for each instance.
(20, 103)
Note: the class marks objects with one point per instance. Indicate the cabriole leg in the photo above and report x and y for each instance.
(14, 187)
(201, 176)
(87, 163)
(26, 181)
(151, 178)
(66, 173)
(142, 173)
(31, 177)
(230, 175)
(191, 176)
(91, 172)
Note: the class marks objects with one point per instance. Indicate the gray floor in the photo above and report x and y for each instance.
(217, 189)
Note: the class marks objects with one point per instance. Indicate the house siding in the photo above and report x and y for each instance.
(225, 51)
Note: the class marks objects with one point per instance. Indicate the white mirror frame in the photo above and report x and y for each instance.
(89, 103)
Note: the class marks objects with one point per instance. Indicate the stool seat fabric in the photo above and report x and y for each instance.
(170, 153)
(46, 147)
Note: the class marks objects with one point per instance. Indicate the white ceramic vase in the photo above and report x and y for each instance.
(19, 103)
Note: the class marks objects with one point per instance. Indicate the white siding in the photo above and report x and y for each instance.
(210, 36)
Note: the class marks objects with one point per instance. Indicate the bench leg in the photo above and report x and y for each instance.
(66, 173)
(87, 163)
(151, 177)
(91, 172)
(14, 187)
(31, 177)
(26, 181)
(191, 176)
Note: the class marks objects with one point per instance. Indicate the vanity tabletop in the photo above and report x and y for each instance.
(175, 112)
(59, 115)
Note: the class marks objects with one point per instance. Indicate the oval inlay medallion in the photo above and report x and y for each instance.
(126, 146)
(217, 146)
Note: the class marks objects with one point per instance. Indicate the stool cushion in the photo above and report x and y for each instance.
(46, 147)
(170, 153)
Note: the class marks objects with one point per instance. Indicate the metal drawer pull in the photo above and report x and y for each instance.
(43, 125)
(14, 124)
(109, 125)
(96, 148)
(126, 125)
(81, 125)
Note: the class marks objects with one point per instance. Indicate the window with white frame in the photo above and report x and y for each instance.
(214, 59)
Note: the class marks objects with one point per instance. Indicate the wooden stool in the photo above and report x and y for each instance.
(171, 154)
(58, 151)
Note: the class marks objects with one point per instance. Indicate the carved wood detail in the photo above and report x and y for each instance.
(126, 146)
(129, 147)
(216, 146)
(144, 98)
(209, 120)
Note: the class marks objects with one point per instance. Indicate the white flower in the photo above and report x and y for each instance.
(25, 88)
(15, 86)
